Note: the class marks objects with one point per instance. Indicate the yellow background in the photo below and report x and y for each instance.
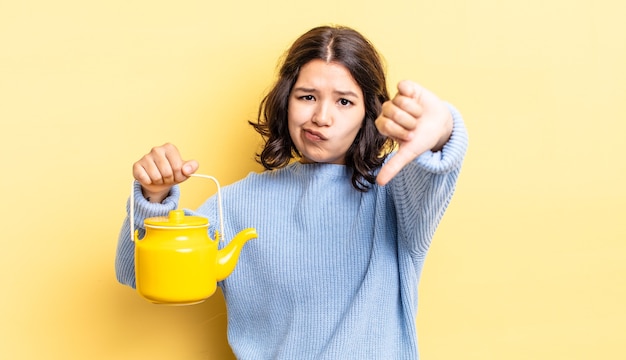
(529, 262)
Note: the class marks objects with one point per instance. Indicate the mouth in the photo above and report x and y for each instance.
(314, 135)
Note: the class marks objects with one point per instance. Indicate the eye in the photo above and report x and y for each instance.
(345, 102)
(307, 97)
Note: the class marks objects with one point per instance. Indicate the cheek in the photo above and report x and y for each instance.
(293, 127)
(296, 117)
(356, 124)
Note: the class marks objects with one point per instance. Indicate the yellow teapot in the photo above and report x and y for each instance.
(177, 263)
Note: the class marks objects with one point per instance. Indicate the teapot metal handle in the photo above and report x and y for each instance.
(131, 210)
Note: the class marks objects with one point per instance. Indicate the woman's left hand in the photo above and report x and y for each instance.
(418, 121)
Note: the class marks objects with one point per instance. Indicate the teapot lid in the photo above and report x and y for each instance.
(176, 218)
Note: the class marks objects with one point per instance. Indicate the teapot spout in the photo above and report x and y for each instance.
(227, 257)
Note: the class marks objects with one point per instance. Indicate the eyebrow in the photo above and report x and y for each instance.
(339, 92)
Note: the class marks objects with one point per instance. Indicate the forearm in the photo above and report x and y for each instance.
(125, 255)
(423, 189)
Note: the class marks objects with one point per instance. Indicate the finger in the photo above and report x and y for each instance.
(408, 105)
(392, 129)
(157, 168)
(190, 167)
(394, 165)
(398, 115)
(163, 165)
(411, 89)
(172, 167)
(172, 164)
(181, 169)
(140, 174)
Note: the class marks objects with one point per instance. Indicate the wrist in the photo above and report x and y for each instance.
(443, 140)
(155, 196)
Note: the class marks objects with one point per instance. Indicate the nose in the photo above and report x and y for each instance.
(322, 115)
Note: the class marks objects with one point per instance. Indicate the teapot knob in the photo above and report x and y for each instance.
(177, 216)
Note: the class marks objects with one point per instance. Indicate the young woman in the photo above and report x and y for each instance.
(344, 216)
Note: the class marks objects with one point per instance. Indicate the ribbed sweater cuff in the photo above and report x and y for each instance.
(145, 209)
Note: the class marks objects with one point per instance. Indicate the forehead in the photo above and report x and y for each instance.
(319, 74)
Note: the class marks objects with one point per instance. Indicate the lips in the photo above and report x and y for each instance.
(314, 135)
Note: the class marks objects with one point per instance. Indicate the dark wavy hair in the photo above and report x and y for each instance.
(341, 45)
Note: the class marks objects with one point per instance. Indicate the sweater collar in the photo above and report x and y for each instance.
(321, 170)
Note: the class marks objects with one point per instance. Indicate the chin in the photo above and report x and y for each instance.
(321, 158)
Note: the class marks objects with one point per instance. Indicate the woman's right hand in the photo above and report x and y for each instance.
(160, 169)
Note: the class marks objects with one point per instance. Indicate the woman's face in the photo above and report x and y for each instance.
(325, 112)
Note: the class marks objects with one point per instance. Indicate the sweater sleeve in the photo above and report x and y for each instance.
(125, 255)
(423, 189)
